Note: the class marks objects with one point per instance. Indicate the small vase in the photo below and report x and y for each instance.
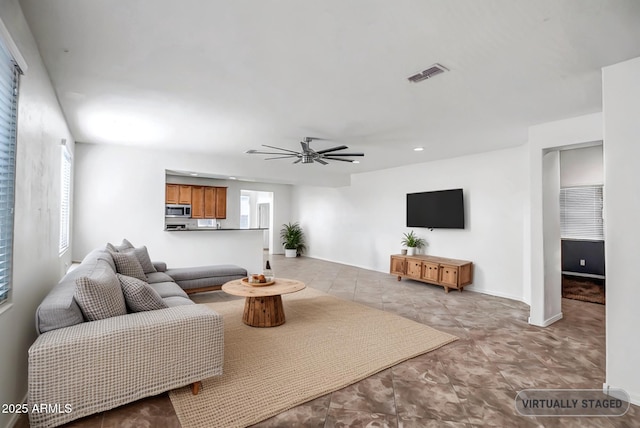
(411, 251)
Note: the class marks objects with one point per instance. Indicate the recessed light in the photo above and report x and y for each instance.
(418, 149)
(355, 161)
(193, 174)
(232, 178)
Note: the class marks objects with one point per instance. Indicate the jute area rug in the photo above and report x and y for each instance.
(325, 344)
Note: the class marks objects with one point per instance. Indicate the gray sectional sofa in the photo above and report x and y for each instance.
(111, 333)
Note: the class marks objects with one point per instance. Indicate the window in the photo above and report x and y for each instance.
(9, 73)
(65, 196)
(581, 213)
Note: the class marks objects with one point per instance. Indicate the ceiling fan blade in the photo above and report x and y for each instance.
(279, 148)
(345, 154)
(282, 157)
(338, 159)
(299, 160)
(332, 149)
(305, 146)
(257, 152)
(321, 161)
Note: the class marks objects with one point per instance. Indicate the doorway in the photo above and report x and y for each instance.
(256, 212)
(582, 223)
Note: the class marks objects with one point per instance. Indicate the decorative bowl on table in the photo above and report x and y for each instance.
(258, 280)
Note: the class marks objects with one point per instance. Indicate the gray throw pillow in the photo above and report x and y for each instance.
(139, 295)
(145, 261)
(125, 245)
(128, 264)
(100, 298)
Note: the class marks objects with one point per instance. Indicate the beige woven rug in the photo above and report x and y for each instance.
(325, 344)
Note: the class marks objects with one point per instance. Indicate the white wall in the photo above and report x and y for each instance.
(362, 224)
(621, 104)
(37, 267)
(582, 167)
(120, 193)
(541, 271)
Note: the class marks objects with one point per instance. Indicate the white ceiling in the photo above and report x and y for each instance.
(223, 77)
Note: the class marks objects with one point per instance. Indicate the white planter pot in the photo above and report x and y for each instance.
(290, 253)
(411, 251)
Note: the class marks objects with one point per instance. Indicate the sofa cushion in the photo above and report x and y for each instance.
(127, 264)
(168, 289)
(139, 296)
(177, 301)
(100, 296)
(154, 277)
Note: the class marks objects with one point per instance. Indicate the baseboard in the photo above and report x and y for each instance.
(495, 293)
(469, 287)
(547, 322)
(634, 398)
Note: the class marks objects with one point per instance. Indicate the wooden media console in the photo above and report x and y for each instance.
(448, 273)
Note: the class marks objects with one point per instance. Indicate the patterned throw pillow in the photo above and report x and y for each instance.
(139, 295)
(100, 298)
(143, 257)
(128, 264)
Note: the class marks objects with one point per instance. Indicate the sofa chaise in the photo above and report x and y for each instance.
(119, 328)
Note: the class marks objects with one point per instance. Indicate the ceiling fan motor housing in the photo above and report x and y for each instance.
(307, 158)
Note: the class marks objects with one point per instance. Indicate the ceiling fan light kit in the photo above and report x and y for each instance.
(307, 154)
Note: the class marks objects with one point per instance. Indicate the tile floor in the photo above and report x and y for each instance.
(471, 382)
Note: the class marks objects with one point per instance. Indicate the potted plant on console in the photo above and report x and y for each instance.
(292, 239)
(411, 241)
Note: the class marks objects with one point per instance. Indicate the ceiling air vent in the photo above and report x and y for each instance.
(434, 70)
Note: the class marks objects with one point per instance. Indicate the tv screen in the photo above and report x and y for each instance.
(443, 209)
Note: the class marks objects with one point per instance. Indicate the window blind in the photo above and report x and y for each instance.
(9, 73)
(65, 196)
(581, 213)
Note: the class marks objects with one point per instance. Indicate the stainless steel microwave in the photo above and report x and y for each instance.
(173, 210)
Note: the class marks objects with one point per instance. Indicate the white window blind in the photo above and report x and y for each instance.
(581, 213)
(65, 197)
(9, 73)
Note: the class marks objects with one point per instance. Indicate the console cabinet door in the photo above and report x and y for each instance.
(414, 268)
(398, 266)
(449, 275)
(430, 271)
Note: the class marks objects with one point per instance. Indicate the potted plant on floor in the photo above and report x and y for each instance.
(292, 239)
(411, 241)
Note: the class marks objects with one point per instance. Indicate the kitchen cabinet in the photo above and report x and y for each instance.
(210, 202)
(448, 273)
(197, 201)
(184, 196)
(221, 202)
(206, 201)
(172, 193)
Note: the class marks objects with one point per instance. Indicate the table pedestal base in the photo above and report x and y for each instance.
(266, 311)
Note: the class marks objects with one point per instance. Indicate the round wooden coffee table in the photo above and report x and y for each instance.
(263, 305)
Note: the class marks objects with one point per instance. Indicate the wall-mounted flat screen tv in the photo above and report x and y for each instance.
(443, 209)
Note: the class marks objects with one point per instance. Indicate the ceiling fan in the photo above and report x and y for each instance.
(308, 155)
